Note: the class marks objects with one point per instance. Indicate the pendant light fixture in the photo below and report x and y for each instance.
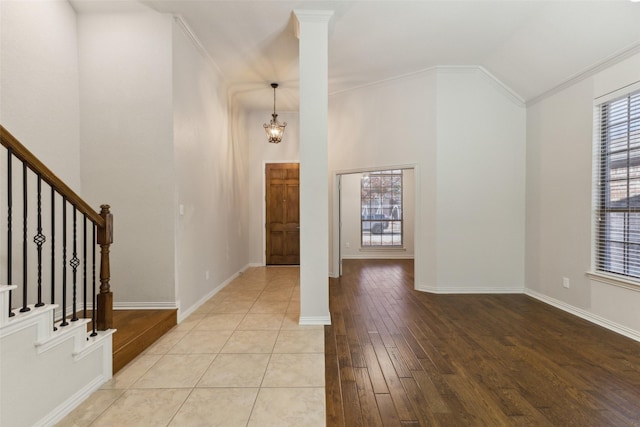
(274, 129)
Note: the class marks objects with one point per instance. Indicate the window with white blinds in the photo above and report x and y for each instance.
(381, 208)
(617, 191)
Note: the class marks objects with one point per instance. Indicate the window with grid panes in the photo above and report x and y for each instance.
(381, 209)
(617, 195)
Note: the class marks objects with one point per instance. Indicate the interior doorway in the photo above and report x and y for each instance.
(282, 223)
(380, 225)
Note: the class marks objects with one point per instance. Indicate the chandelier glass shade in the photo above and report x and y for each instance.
(275, 129)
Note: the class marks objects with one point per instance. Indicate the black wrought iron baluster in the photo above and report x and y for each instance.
(74, 263)
(64, 262)
(53, 253)
(84, 265)
(24, 239)
(39, 240)
(9, 224)
(93, 282)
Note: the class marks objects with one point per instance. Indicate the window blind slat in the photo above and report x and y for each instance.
(617, 187)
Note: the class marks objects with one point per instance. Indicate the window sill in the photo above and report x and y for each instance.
(615, 280)
(383, 249)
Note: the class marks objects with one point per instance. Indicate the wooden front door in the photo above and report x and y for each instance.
(283, 213)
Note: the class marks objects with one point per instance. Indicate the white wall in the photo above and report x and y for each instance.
(39, 101)
(39, 105)
(350, 206)
(459, 129)
(558, 213)
(211, 185)
(480, 185)
(262, 152)
(127, 151)
(384, 125)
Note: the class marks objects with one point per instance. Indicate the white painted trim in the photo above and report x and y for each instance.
(374, 169)
(507, 91)
(315, 320)
(74, 330)
(387, 80)
(143, 305)
(71, 403)
(335, 262)
(593, 318)
(313, 16)
(614, 280)
(186, 29)
(378, 255)
(468, 290)
(184, 314)
(622, 92)
(607, 62)
(251, 265)
(38, 316)
(510, 93)
(91, 344)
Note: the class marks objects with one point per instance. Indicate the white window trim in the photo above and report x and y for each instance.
(383, 248)
(397, 248)
(614, 280)
(601, 276)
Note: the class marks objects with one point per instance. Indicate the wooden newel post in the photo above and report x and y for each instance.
(104, 318)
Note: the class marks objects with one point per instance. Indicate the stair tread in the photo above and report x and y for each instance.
(131, 324)
(137, 330)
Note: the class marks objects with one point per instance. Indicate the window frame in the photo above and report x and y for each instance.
(603, 242)
(400, 220)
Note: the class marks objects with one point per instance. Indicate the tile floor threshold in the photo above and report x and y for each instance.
(241, 359)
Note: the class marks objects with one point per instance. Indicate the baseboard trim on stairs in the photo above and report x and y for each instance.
(71, 403)
(171, 305)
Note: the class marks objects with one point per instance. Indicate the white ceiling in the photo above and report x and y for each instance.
(531, 46)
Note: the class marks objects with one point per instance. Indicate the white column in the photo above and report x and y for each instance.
(313, 32)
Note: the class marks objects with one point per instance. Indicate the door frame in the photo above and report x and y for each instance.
(336, 250)
(264, 204)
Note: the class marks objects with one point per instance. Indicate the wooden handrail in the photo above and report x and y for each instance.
(21, 152)
(103, 309)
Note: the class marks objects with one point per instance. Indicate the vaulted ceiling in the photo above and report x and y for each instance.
(531, 46)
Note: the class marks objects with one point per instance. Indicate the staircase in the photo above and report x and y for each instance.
(47, 371)
(55, 329)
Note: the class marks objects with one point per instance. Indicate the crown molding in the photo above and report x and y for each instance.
(510, 93)
(590, 71)
(313, 17)
(186, 29)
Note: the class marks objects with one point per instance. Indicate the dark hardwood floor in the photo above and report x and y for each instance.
(397, 357)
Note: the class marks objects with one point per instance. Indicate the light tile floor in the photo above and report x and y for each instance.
(241, 359)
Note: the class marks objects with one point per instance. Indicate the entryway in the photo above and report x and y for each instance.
(282, 213)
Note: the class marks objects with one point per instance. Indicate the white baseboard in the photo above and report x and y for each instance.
(593, 318)
(251, 265)
(145, 305)
(183, 314)
(468, 290)
(315, 320)
(71, 403)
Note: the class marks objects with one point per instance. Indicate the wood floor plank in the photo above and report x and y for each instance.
(388, 413)
(402, 357)
(334, 411)
(368, 405)
(375, 373)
